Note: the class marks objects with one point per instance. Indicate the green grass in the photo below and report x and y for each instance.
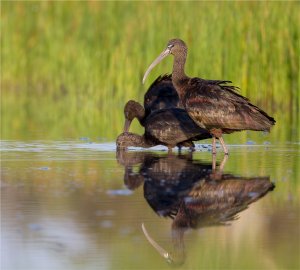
(67, 68)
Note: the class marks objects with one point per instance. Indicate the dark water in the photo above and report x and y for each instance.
(81, 205)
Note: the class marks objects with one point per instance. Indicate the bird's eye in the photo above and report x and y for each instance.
(170, 46)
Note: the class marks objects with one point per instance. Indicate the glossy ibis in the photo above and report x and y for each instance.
(212, 104)
(170, 127)
(164, 119)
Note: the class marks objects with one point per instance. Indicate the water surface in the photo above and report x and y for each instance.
(82, 205)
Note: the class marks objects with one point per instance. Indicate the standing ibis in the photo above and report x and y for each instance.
(212, 104)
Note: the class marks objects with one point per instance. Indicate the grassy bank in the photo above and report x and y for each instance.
(67, 68)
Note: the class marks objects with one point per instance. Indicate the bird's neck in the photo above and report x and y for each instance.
(141, 117)
(178, 67)
(178, 74)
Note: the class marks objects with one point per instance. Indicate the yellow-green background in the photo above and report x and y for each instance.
(67, 68)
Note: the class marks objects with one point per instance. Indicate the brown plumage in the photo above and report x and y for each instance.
(161, 95)
(187, 191)
(212, 104)
(164, 119)
(129, 139)
(170, 127)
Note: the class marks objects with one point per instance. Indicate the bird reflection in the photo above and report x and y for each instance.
(192, 193)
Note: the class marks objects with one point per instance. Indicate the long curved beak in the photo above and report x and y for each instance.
(160, 250)
(165, 53)
(126, 125)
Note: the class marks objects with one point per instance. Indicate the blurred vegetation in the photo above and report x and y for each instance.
(67, 68)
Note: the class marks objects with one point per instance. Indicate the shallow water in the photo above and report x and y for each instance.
(81, 205)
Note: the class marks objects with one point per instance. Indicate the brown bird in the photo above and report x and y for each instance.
(170, 127)
(212, 104)
(164, 119)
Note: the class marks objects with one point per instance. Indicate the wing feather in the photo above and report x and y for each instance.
(214, 104)
(172, 126)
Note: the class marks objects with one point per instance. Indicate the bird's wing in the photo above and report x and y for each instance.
(214, 104)
(172, 126)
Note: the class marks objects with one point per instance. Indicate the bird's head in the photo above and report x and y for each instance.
(175, 46)
(132, 109)
(127, 139)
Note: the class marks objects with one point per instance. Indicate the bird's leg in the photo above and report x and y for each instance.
(214, 161)
(223, 145)
(221, 167)
(192, 147)
(214, 148)
(217, 174)
(190, 155)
